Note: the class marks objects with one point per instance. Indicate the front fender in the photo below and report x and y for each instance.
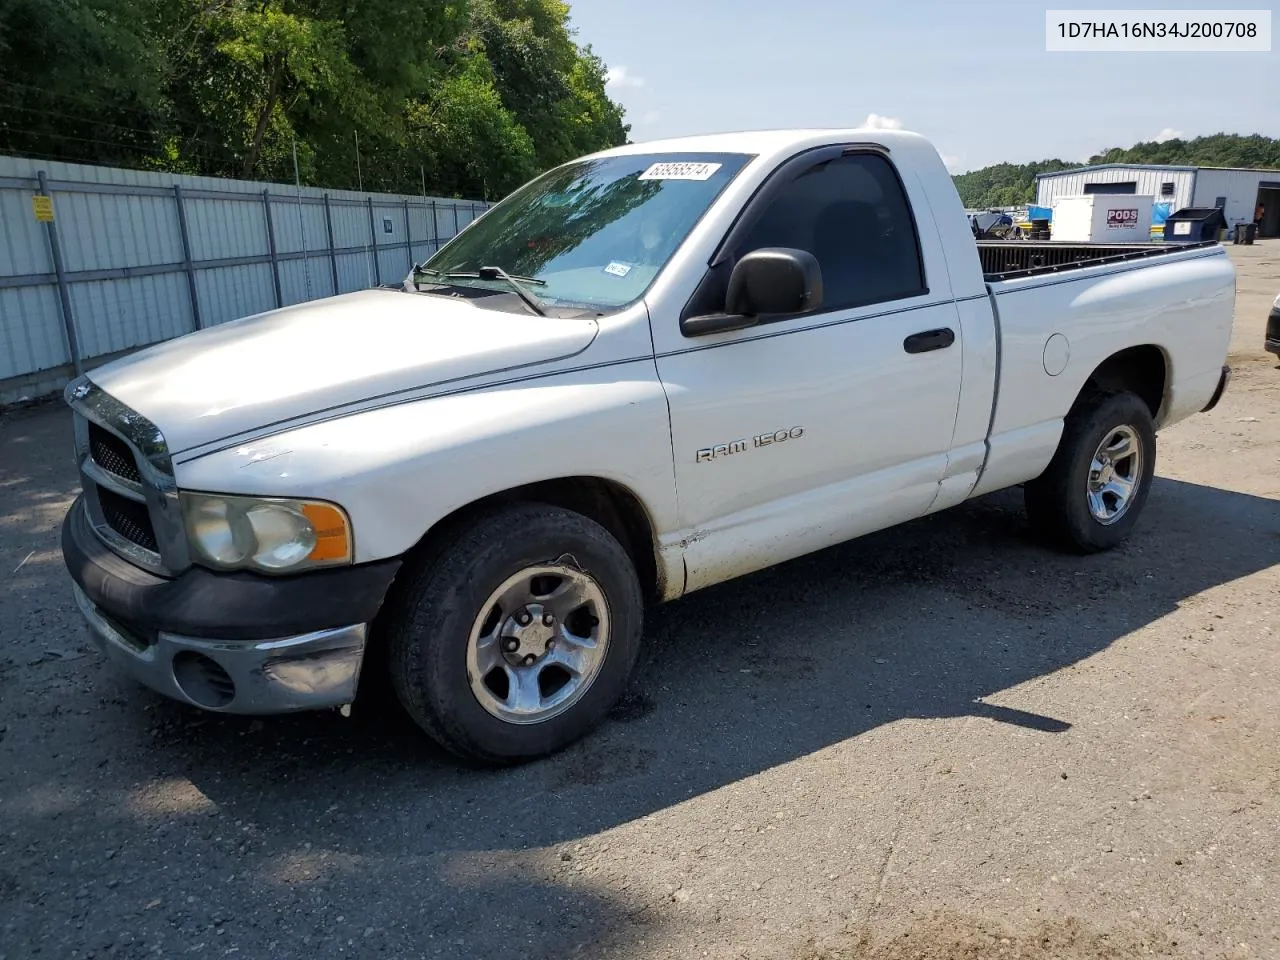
(399, 469)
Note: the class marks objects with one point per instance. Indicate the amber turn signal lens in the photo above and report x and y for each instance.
(333, 533)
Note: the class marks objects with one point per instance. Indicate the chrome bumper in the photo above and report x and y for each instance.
(310, 671)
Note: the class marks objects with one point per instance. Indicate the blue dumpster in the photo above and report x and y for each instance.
(1194, 225)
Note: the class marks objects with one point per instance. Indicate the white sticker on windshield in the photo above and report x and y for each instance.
(618, 269)
(680, 171)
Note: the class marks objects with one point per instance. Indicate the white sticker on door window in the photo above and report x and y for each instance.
(680, 171)
(618, 269)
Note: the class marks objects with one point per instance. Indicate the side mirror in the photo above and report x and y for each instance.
(771, 280)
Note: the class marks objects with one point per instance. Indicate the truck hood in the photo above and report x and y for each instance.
(326, 354)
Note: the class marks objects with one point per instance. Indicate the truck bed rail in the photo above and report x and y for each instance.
(1009, 259)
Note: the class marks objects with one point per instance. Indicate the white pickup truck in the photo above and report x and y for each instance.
(645, 372)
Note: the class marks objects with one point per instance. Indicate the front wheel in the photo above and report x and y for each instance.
(516, 634)
(1094, 489)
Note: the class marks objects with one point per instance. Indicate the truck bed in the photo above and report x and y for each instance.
(1009, 259)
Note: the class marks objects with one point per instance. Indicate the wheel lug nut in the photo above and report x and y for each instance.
(512, 646)
(551, 644)
(548, 620)
(529, 659)
(523, 618)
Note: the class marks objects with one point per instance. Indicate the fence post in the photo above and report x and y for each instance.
(271, 246)
(186, 257)
(373, 236)
(333, 257)
(408, 234)
(64, 292)
(456, 230)
(435, 229)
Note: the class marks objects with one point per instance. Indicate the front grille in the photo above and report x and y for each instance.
(1273, 324)
(128, 518)
(112, 454)
(122, 485)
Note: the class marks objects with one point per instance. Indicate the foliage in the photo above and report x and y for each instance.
(52, 52)
(1008, 185)
(458, 97)
(473, 144)
(1218, 150)
(1004, 184)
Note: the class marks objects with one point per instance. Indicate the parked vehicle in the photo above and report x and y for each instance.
(994, 225)
(644, 373)
(1273, 327)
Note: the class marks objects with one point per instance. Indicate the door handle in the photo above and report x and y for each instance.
(929, 340)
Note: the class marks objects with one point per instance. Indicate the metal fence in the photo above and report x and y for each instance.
(116, 259)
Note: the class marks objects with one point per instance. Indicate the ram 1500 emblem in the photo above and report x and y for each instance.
(721, 450)
(707, 454)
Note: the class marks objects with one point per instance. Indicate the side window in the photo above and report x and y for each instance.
(852, 214)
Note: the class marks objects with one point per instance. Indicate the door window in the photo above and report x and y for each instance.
(853, 215)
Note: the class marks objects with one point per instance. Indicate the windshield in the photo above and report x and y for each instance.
(594, 233)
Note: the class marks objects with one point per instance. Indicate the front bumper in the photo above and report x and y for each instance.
(1273, 331)
(307, 672)
(234, 643)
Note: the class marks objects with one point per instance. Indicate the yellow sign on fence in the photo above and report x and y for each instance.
(42, 207)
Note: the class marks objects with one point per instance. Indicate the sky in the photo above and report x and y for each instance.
(971, 75)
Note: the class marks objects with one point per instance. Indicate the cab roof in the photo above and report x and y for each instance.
(767, 143)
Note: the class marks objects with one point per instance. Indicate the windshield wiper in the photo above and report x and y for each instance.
(477, 276)
(419, 270)
(495, 273)
(516, 284)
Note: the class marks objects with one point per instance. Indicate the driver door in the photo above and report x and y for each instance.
(803, 432)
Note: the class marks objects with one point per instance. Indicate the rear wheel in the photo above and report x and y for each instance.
(515, 636)
(1094, 489)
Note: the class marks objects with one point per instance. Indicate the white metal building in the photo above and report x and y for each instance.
(1236, 190)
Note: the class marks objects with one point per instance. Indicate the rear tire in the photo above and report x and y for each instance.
(516, 633)
(1094, 489)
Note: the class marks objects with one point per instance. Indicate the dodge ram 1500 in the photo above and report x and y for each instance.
(645, 372)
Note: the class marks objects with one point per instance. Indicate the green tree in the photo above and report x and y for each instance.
(593, 121)
(79, 80)
(554, 89)
(1003, 184)
(469, 142)
(1217, 150)
(477, 94)
(274, 62)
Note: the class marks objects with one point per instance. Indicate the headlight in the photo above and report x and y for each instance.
(265, 534)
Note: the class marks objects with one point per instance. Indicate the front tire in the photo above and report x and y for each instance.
(516, 633)
(1094, 489)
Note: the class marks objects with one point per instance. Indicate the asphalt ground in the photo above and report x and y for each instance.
(942, 741)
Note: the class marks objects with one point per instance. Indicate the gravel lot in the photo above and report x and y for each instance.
(941, 741)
